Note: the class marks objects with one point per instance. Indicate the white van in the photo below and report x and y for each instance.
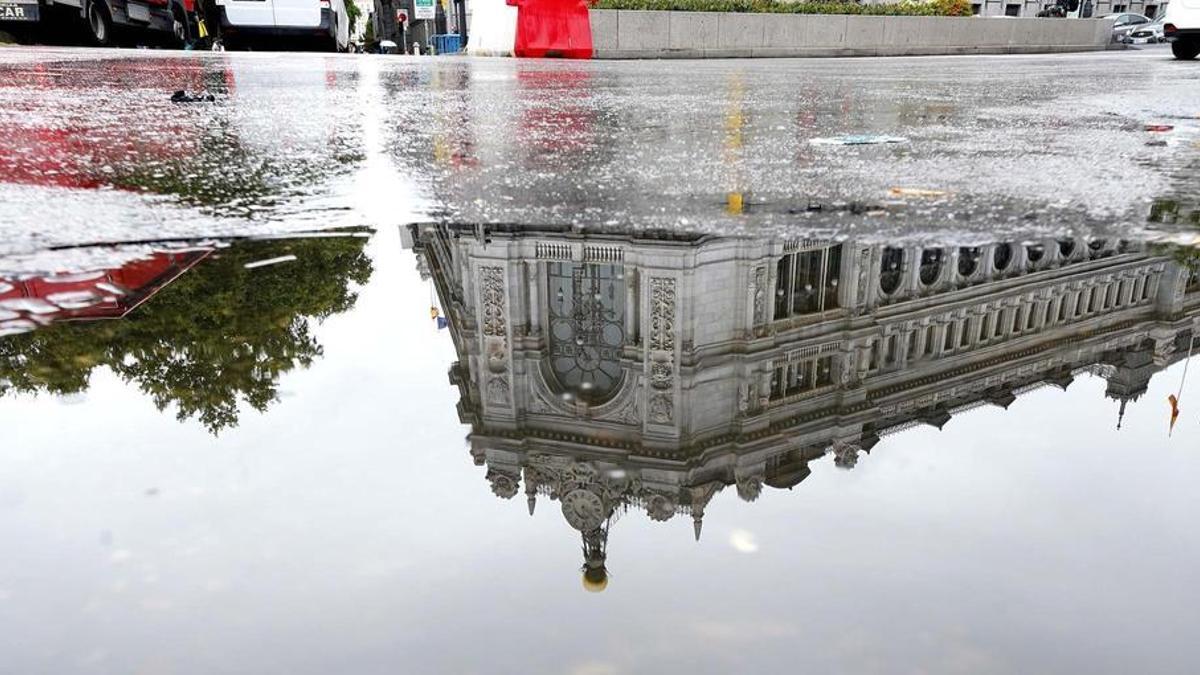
(1181, 27)
(255, 22)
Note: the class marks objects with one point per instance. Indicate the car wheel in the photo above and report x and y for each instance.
(99, 24)
(1185, 50)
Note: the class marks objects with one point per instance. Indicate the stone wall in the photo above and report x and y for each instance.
(623, 34)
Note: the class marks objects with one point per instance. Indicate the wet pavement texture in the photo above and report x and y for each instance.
(1016, 144)
(369, 364)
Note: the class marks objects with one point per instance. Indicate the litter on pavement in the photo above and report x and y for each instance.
(858, 139)
(181, 96)
(269, 261)
(916, 192)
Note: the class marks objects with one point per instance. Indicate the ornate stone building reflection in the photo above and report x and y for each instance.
(618, 372)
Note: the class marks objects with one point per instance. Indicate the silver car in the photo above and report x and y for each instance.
(1125, 23)
(1148, 33)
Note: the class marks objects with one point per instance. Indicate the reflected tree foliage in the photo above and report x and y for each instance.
(218, 337)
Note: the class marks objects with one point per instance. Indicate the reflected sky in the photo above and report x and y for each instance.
(346, 527)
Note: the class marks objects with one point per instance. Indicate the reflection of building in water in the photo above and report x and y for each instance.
(610, 372)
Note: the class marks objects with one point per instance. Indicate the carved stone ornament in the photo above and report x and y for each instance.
(660, 507)
(492, 291)
(628, 413)
(749, 487)
(758, 294)
(662, 314)
(503, 485)
(497, 390)
(538, 405)
(662, 409)
(660, 374)
(864, 271)
(845, 455)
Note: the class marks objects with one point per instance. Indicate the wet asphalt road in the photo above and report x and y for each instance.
(96, 151)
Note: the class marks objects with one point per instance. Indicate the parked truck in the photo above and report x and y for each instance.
(150, 20)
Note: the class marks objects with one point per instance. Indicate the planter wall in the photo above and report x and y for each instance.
(624, 34)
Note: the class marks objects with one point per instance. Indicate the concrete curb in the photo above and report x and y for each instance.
(624, 34)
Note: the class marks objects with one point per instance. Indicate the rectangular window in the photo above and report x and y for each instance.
(975, 9)
(806, 294)
(891, 349)
(948, 342)
(1091, 305)
(998, 324)
(807, 282)
(1012, 10)
(1016, 324)
(1146, 289)
(825, 371)
(783, 286)
(964, 334)
(983, 327)
(1046, 314)
(930, 340)
(1120, 294)
(876, 348)
(912, 345)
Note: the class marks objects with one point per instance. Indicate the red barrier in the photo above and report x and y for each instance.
(553, 28)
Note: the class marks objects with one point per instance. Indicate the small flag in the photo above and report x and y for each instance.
(1174, 412)
(442, 322)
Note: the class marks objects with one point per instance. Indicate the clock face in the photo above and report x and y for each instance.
(583, 510)
(587, 327)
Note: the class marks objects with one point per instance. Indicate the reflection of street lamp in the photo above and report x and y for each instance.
(401, 22)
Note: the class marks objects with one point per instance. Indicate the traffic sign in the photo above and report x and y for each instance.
(425, 9)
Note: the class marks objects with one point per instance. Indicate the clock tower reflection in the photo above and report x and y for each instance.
(614, 372)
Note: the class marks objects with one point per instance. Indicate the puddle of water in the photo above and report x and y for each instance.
(913, 411)
(795, 402)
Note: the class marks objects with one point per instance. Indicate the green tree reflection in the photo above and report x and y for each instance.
(218, 336)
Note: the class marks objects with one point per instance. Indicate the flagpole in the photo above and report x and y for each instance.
(1179, 394)
(1186, 362)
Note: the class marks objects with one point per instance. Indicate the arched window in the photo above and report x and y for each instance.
(587, 328)
(1066, 247)
(1034, 253)
(931, 265)
(891, 269)
(1096, 248)
(968, 261)
(1002, 257)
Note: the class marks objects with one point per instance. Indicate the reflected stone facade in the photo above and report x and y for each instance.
(648, 372)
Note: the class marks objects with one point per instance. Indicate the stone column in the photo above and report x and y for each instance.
(631, 303)
(535, 304)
